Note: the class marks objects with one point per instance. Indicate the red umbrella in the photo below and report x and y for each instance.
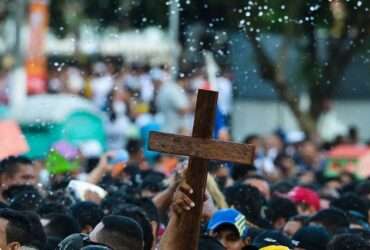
(348, 152)
(349, 158)
(12, 141)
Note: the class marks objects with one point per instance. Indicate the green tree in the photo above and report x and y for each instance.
(346, 25)
(343, 24)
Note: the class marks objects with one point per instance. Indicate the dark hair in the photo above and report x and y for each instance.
(38, 236)
(87, 213)
(149, 208)
(364, 233)
(152, 181)
(18, 228)
(111, 202)
(282, 187)
(248, 139)
(311, 238)
(300, 218)
(121, 232)
(353, 133)
(133, 146)
(138, 214)
(240, 172)
(77, 242)
(332, 219)
(209, 243)
(52, 243)
(351, 202)
(363, 188)
(48, 208)
(153, 175)
(151, 185)
(9, 166)
(214, 166)
(348, 242)
(278, 208)
(61, 226)
(279, 158)
(247, 199)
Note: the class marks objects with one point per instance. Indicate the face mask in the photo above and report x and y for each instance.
(119, 108)
(221, 181)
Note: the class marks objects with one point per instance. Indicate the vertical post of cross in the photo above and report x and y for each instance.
(196, 173)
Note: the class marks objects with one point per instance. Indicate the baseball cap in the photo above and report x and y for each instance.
(229, 216)
(275, 248)
(78, 242)
(271, 238)
(305, 195)
(311, 238)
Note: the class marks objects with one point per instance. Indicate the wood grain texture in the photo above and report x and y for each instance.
(196, 173)
(201, 148)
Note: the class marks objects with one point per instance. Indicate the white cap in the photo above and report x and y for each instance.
(90, 149)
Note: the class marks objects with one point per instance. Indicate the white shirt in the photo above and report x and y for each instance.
(225, 97)
(101, 87)
(117, 132)
(170, 100)
(147, 88)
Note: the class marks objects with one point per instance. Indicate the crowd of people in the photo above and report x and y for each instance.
(135, 96)
(129, 198)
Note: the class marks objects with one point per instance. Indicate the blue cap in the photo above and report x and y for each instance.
(229, 216)
(119, 156)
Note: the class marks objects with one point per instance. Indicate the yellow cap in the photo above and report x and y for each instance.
(275, 248)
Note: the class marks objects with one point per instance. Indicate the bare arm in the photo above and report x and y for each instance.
(164, 199)
(181, 203)
(101, 169)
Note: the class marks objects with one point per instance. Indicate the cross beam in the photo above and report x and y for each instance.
(201, 148)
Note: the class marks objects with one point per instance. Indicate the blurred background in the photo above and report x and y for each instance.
(104, 72)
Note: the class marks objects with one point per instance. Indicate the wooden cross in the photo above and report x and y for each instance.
(201, 148)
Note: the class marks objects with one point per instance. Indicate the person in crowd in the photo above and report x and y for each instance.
(294, 224)
(279, 211)
(356, 209)
(311, 238)
(306, 199)
(229, 227)
(119, 233)
(60, 226)
(15, 231)
(348, 242)
(102, 82)
(16, 171)
(261, 184)
(88, 214)
(249, 201)
(332, 219)
(118, 124)
(136, 213)
(171, 101)
(270, 239)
